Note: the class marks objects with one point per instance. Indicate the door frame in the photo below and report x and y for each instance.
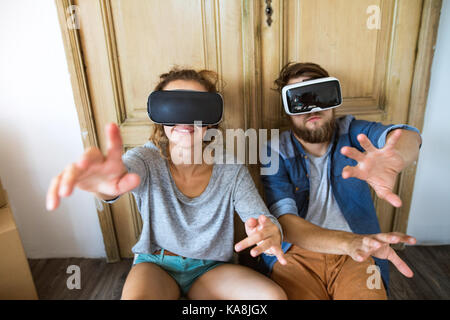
(80, 88)
(251, 19)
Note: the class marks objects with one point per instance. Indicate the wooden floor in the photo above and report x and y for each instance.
(431, 267)
(103, 281)
(99, 280)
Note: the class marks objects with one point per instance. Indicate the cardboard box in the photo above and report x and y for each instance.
(16, 281)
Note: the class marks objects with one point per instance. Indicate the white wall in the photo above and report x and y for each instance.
(40, 134)
(430, 208)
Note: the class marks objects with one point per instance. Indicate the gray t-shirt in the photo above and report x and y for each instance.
(323, 209)
(200, 227)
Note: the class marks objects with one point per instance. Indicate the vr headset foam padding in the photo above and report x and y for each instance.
(170, 107)
(311, 95)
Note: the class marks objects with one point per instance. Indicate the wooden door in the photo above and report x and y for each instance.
(124, 46)
(371, 46)
(117, 49)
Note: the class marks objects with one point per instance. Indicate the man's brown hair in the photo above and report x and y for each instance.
(294, 70)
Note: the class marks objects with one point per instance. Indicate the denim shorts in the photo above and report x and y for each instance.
(184, 270)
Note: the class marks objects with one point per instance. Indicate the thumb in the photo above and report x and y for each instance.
(251, 223)
(114, 142)
(128, 182)
(389, 196)
(261, 221)
(394, 199)
(400, 264)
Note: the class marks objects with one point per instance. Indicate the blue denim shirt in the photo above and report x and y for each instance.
(287, 191)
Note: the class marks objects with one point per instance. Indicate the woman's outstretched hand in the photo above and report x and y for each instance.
(265, 235)
(104, 176)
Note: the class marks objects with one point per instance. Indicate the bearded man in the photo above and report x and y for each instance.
(322, 198)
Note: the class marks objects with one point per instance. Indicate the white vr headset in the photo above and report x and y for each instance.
(311, 96)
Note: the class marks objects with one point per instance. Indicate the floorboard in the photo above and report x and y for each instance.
(104, 281)
(431, 280)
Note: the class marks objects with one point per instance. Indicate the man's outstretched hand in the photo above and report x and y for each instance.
(378, 167)
(362, 247)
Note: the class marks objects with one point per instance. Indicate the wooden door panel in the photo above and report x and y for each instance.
(334, 34)
(128, 44)
(147, 42)
(375, 66)
(121, 48)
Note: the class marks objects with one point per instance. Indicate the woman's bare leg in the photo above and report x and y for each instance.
(235, 282)
(148, 281)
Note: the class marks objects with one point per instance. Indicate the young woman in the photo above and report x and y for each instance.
(186, 243)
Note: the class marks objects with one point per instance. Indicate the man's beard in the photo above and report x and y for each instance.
(319, 135)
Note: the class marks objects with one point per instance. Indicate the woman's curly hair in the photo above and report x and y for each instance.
(208, 79)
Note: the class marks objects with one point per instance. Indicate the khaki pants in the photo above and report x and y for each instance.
(311, 276)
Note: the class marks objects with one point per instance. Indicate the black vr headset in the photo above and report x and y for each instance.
(171, 107)
(311, 96)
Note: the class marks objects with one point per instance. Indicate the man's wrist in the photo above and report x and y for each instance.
(347, 242)
(409, 141)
